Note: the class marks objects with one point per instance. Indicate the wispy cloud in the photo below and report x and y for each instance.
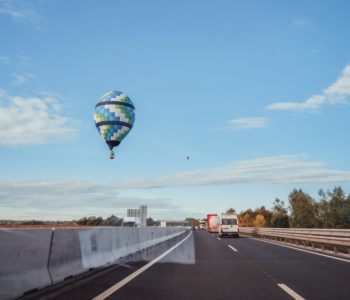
(5, 60)
(72, 199)
(21, 79)
(19, 10)
(337, 93)
(245, 123)
(301, 23)
(76, 198)
(32, 120)
(268, 170)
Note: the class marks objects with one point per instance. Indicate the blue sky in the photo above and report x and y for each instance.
(256, 93)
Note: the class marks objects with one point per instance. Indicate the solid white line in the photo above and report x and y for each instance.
(233, 248)
(219, 239)
(290, 292)
(123, 282)
(303, 250)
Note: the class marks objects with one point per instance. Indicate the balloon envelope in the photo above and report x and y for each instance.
(114, 117)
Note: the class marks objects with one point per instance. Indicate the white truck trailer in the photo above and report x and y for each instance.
(131, 222)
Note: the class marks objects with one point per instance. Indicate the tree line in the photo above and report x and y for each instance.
(110, 221)
(330, 210)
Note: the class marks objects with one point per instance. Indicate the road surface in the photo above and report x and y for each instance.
(202, 266)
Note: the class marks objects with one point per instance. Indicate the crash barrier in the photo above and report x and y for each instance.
(32, 259)
(333, 241)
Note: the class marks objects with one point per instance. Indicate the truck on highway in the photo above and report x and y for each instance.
(228, 226)
(131, 222)
(212, 223)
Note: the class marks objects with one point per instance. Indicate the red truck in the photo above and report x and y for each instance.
(212, 223)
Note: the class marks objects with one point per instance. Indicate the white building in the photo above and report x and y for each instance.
(140, 213)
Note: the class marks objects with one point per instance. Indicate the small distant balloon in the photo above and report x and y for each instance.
(114, 117)
(187, 157)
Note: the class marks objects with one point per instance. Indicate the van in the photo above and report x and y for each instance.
(228, 226)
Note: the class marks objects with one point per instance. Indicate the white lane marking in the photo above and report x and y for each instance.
(219, 239)
(290, 292)
(233, 248)
(302, 250)
(123, 282)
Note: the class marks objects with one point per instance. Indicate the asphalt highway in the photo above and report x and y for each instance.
(201, 266)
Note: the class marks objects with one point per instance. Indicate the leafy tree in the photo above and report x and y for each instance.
(230, 211)
(339, 209)
(90, 221)
(303, 210)
(191, 222)
(151, 222)
(112, 221)
(280, 218)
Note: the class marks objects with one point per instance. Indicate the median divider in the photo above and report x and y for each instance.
(24, 255)
(32, 259)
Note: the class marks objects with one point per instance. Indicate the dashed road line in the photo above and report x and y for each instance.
(290, 292)
(233, 248)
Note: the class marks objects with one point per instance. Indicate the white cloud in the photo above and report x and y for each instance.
(269, 170)
(19, 10)
(340, 89)
(32, 120)
(245, 123)
(313, 103)
(337, 93)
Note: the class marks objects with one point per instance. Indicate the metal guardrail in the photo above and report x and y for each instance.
(334, 241)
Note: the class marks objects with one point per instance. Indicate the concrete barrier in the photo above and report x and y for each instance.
(36, 258)
(96, 246)
(24, 255)
(131, 240)
(66, 256)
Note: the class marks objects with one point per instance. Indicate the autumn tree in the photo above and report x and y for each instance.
(259, 221)
(246, 218)
(264, 212)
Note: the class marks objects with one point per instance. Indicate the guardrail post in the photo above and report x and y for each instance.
(335, 249)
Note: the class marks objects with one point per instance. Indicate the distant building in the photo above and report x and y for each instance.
(139, 213)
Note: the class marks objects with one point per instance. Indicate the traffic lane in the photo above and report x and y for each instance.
(93, 285)
(312, 276)
(218, 272)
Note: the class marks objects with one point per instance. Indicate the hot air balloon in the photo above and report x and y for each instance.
(114, 117)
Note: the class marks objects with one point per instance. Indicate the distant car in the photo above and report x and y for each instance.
(228, 226)
(202, 225)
